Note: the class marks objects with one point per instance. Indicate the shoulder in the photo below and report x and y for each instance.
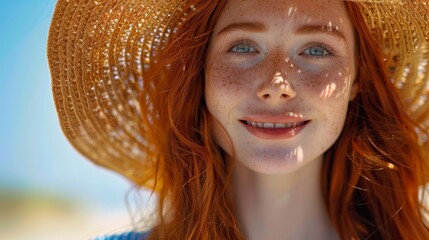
(125, 236)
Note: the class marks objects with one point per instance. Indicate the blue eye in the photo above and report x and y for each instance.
(242, 48)
(318, 51)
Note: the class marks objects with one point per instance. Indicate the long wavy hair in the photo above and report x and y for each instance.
(371, 176)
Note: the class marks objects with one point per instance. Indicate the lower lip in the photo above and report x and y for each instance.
(275, 133)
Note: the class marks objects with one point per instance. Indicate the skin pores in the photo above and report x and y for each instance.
(287, 65)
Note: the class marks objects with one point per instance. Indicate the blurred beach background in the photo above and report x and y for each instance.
(47, 189)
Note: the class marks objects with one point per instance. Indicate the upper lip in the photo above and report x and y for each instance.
(267, 118)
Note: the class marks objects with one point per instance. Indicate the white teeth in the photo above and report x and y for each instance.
(274, 125)
(251, 123)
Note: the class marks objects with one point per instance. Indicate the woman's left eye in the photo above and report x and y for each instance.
(242, 48)
(318, 51)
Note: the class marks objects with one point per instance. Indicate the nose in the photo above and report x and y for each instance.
(276, 89)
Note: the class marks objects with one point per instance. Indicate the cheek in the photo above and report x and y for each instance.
(222, 79)
(335, 100)
(335, 126)
(331, 84)
(221, 89)
(329, 93)
(222, 137)
(216, 89)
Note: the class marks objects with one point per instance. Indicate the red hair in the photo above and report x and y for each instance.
(194, 196)
(371, 175)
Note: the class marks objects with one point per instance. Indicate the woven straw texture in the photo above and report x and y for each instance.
(98, 49)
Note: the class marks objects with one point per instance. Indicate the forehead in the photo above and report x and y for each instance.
(325, 12)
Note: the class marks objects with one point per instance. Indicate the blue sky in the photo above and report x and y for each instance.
(34, 155)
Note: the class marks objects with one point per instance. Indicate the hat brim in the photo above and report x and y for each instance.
(98, 50)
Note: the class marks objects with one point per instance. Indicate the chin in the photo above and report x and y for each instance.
(274, 162)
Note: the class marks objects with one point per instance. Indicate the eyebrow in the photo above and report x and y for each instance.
(260, 27)
(311, 29)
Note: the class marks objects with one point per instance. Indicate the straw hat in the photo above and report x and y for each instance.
(98, 50)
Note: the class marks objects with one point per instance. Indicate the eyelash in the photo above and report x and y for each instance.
(330, 51)
(242, 42)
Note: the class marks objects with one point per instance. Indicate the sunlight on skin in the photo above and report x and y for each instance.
(294, 157)
(328, 91)
(261, 65)
(281, 82)
(278, 81)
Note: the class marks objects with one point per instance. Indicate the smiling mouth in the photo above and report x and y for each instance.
(272, 125)
(274, 130)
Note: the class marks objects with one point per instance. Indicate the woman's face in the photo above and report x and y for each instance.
(279, 77)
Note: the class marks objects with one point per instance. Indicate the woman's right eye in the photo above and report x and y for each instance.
(242, 48)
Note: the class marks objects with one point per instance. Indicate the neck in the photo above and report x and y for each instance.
(282, 206)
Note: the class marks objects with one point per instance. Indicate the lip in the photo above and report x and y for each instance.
(293, 118)
(275, 133)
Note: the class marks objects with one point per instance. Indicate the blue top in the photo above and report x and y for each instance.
(125, 236)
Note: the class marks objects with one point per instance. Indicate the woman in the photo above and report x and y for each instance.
(253, 119)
